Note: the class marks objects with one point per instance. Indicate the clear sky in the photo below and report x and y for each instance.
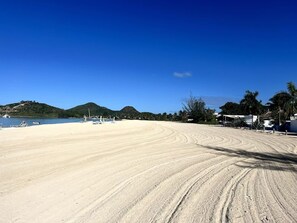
(149, 54)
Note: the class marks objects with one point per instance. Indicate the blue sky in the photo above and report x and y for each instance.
(148, 54)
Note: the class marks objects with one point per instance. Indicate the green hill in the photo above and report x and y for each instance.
(95, 110)
(129, 110)
(42, 110)
(32, 109)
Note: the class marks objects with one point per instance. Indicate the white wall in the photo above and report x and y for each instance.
(248, 119)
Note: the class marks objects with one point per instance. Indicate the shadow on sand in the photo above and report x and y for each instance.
(271, 161)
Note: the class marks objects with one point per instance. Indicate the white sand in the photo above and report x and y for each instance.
(137, 171)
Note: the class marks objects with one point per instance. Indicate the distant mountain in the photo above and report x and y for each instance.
(95, 110)
(32, 109)
(36, 109)
(129, 109)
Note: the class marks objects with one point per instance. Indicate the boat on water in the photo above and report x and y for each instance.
(23, 124)
(6, 116)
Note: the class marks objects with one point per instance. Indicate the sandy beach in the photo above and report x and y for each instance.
(142, 171)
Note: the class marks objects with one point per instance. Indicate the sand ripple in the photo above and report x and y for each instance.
(137, 171)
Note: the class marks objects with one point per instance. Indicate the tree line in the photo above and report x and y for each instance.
(280, 106)
(193, 110)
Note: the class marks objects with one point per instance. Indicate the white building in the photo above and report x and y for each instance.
(249, 119)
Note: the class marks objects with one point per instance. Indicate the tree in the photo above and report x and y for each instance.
(175, 117)
(291, 104)
(278, 105)
(250, 104)
(182, 115)
(164, 116)
(209, 115)
(195, 109)
(279, 100)
(230, 108)
(170, 117)
(283, 104)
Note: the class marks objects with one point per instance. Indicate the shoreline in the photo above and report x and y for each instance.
(16, 122)
(279, 133)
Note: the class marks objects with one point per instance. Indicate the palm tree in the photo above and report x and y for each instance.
(291, 104)
(250, 104)
(283, 104)
(230, 108)
(278, 105)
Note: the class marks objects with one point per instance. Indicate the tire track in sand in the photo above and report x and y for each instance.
(151, 172)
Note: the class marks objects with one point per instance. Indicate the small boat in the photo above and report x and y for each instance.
(6, 116)
(23, 124)
(36, 123)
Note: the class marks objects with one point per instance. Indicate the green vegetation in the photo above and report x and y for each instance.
(280, 107)
(41, 110)
(196, 111)
(129, 112)
(32, 109)
(248, 105)
(81, 110)
(35, 109)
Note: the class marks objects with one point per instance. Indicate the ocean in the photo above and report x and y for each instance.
(10, 122)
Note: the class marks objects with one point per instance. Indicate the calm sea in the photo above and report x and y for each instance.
(8, 122)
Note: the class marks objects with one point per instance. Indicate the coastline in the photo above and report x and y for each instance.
(15, 122)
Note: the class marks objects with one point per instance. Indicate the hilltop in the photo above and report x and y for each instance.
(32, 109)
(36, 109)
(94, 109)
(129, 109)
